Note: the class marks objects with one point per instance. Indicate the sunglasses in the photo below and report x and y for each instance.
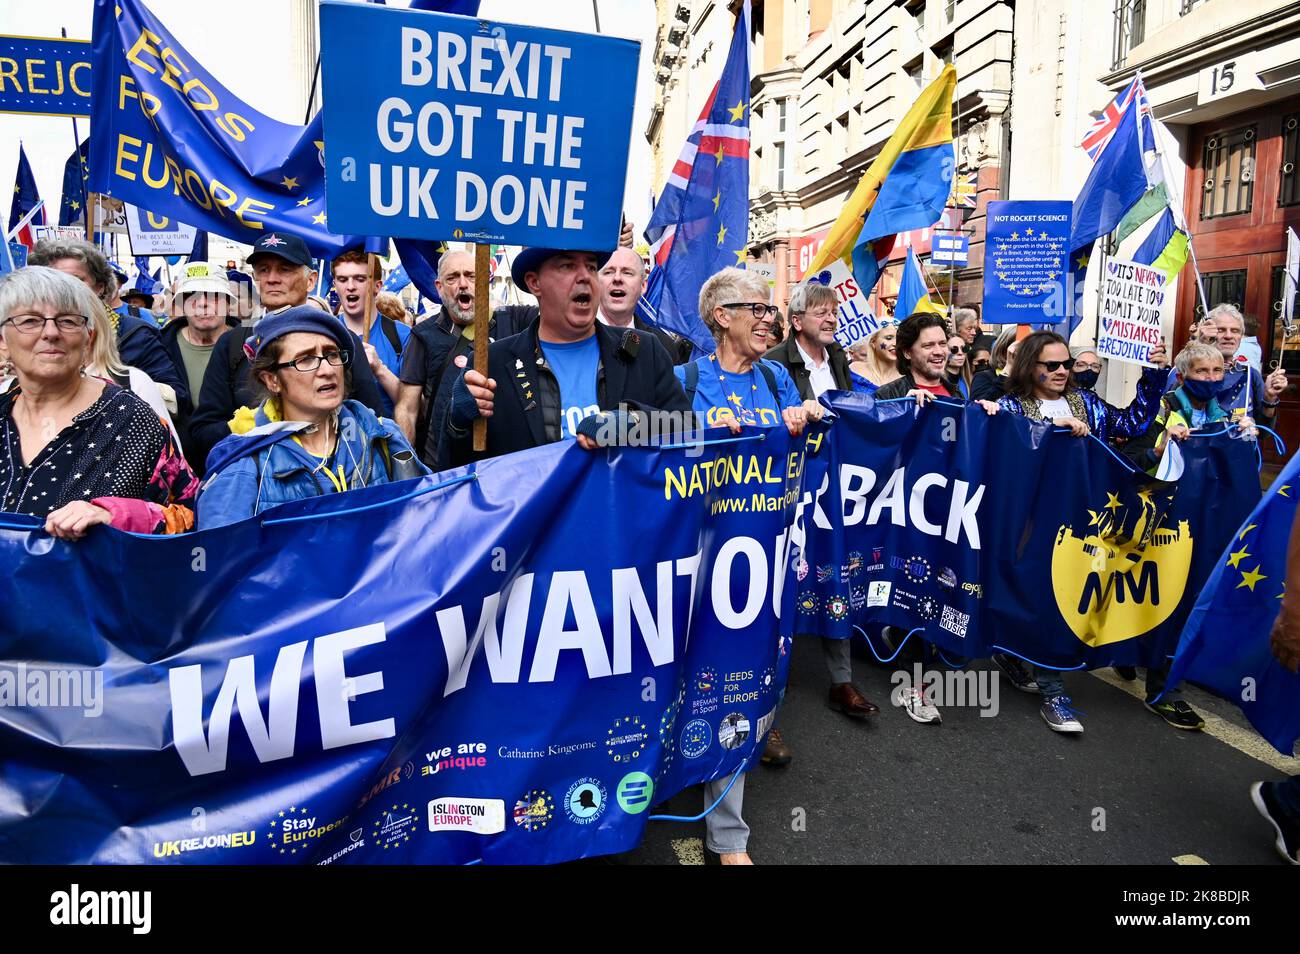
(956, 350)
(1051, 366)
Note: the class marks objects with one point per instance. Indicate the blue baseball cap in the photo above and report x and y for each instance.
(305, 318)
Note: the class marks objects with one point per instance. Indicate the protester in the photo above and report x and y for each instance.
(1279, 802)
(1039, 388)
(1086, 370)
(284, 273)
(777, 333)
(922, 361)
(1249, 347)
(391, 307)
(358, 283)
(98, 453)
(877, 361)
(138, 340)
(1246, 392)
(206, 306)
(989, 384)
(306, 439)
(966, 325)
(812, 357)
(979, 360)
(546, 383)
(622, 280)
(958, 369)
(245, 292)
(136, 298)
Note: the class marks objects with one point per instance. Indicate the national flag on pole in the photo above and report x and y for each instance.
(26, 201)
(1291, 281)
(1107, 121)
(906, 187)
(1165, 247)
(700, 224)
(965, 190)
(913, 294)
(72, 207)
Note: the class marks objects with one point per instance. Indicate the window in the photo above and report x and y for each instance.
(1289, 188)
(1221, 287)
(780, 167)
(780, 115)
(1130, 28)
(915, 73)
(944, 53)
(1229, 165)
(917, 9)
(951, 10)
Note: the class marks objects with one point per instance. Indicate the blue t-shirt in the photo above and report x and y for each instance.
(575, 366)
(384, 348)
(746, 397)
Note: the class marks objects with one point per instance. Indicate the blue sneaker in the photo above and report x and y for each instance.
(1058, 715)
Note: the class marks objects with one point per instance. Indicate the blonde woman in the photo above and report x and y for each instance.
(875, 359)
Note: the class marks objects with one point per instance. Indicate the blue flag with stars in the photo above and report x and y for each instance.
(26, 197)
(72, 207)
(710, 229)
(1225, 645)
(231, 170)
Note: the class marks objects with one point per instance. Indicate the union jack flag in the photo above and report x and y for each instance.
(1107, 121)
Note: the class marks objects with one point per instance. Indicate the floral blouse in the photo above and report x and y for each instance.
(117, 454)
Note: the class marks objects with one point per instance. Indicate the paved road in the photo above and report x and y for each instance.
(1000, 790)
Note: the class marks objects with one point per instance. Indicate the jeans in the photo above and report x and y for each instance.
(1050, 682)
(725, 832)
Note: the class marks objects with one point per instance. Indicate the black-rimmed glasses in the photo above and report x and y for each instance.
(310, 362)
(34, 324)
(1051, 366)
(759, 309)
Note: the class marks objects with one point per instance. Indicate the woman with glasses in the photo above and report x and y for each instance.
(1086, 370)
(875, 359)
(1039, 388)
(77, 449)
(305, 439)
(958, 367)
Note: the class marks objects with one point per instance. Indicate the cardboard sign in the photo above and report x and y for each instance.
(856, 320)
(1025, 262)
(1135, 299)
(152, 234)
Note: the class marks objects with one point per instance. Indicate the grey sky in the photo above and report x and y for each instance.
(240, 42)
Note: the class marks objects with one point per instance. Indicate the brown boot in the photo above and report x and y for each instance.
(776, 752)
(848, 699)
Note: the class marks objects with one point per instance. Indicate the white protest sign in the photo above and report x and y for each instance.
(1134, 304)
(152, 234)
(856, 320)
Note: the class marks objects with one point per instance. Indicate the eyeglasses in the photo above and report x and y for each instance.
(35, 324)
(956, 350)
(310, 362)
(1084, 366)
(1051, 366)
(759, 309)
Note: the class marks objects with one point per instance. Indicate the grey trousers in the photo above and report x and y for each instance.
(836, 652)
(724, 830)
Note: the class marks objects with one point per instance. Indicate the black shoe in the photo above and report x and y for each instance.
(1288, 831)
(1178, 714)
(1015, 672)
(1127, 672)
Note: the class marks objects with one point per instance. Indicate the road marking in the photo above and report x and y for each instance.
(1189, 860)
(689, 851)
(1243, 740)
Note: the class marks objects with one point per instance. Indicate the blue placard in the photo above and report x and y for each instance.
(949, 250)
(1025, 252)
(45, 76)
(464, 129)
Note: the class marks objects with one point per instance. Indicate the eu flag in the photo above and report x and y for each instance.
(420, 263)
(72, 207)
(710, 224)
(1225, 645)
(26, 198)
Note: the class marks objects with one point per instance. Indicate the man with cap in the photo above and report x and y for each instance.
(283, 269)
(552, 380)
(138, 296)
(622, 279)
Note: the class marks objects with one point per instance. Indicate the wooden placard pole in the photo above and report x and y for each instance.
(91, 199)
(482, 315)
(371, 264)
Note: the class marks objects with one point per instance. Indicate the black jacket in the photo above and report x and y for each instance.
(987, 385)
(223, 393)
(900, 386)
(787, 354)
(140, 345)
(635, 372)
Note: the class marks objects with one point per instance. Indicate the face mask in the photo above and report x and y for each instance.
(1086, 379)
(1204, 390)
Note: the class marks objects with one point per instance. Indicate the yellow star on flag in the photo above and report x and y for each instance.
(1236, 558)
(722, 234)
(998, 263)
(305, 200)
(288, 183)
(1144, 496)
(1083, 261)
(741, 255)
(716, 199)
(1242, 535)
(1282, 491)
(738, 111)
(719, 154)
(74, 205)
(1112, 502)
(1095, 518)
(1250, 578)
(319, 219)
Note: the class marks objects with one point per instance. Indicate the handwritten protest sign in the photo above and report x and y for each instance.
(463, 129)
(1134, 301)
(856, 320)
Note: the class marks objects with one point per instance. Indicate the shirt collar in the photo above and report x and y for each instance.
(807, 359)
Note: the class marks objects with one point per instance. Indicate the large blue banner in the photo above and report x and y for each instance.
(464, 129)
(1025, 262)
(512, 663)
(45, 76)
(981, 534)
(165, 135)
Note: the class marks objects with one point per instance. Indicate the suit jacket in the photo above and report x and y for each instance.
(635, 372)
(787, 354)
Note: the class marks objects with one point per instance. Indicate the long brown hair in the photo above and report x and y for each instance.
(1020, 381)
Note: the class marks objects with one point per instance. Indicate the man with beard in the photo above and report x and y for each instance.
(622, 280)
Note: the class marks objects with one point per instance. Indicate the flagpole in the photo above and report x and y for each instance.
(482, 315)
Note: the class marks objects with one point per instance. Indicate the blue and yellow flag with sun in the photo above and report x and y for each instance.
(1225, 645)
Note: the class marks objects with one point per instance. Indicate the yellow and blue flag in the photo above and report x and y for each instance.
(906, 187)
(1165, 248)
(913, 295)
(1225, 644)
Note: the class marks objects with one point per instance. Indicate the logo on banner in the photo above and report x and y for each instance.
(296, 829)
(917, 569)
(394, 826)
(482, 816)
(634, 792)
(878, 593)
(837, 608)
(696, 737)
(534, 811)
(626, 739)
(1124, 574)
(733, 730)
(584, 802)
(808, 603)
